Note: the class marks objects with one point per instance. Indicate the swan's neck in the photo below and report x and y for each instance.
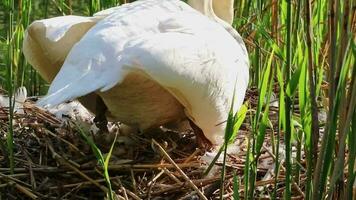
(215, 9)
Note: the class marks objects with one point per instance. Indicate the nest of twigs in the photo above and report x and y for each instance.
(53, 161)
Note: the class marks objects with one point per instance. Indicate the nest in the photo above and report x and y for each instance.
(53, 161)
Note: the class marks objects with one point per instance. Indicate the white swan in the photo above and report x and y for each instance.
(151, 62)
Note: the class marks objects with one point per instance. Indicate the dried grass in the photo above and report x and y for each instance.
(53, 162)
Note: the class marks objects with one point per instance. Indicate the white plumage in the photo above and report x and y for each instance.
(153, 62)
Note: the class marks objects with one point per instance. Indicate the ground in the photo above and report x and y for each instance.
(53, 161)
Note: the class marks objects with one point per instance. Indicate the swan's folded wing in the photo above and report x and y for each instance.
(93, 63)
(47, 42)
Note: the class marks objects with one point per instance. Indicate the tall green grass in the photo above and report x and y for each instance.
(9, 79)
(313, 44)
(303, 51)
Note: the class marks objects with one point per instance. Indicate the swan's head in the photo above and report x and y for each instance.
(224, 9)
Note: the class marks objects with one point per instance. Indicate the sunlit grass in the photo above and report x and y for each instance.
(311, 48)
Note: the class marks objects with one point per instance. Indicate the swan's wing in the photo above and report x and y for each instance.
(97, 60)
(47, 42)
